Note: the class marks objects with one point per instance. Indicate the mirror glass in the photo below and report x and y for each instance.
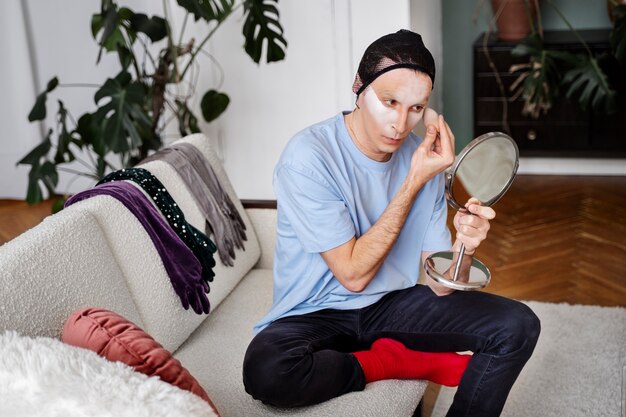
(484, 169)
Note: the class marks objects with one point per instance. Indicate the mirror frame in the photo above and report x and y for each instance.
(450, 173)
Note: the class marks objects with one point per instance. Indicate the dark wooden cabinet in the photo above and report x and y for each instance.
(565, 130)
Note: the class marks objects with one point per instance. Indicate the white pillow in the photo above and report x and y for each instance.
(46, 377)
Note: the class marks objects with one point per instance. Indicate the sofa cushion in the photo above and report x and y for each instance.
(119, 340)
(41, 377)
(264, 223)
(57, 267)
(222, 377)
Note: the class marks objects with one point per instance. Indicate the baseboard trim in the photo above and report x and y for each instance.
(572, 166)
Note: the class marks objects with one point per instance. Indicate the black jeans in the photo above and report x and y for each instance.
(306, 359)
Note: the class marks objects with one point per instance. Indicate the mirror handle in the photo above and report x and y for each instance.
(457, 267)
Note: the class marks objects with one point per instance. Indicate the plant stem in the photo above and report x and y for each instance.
(79, 85)
(91, 159)
(605, 86)
(562, 16)
(494, 70)
(539, 19)
(208, 36)
(170, 42)
(529, 16)
(147, 52)
(129, 46)
(73, 171)
(219, 67)
(182, 29)
(85, 164)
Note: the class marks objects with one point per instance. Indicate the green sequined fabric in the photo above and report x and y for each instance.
(199, 243)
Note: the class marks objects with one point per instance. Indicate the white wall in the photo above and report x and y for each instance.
(426, 20)
(269, 103)
(16, 84)
(272, 102)
(61, 45)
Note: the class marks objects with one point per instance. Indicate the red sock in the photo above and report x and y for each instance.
(390, 359)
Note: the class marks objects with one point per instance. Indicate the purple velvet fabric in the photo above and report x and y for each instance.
(182, 266)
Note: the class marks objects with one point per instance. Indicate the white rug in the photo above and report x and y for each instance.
(44, 377)
(577, 369)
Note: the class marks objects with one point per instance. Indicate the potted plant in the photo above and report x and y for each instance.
(514, 18)
(592, 81)
(132, 105)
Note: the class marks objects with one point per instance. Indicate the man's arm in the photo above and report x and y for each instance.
(356, 262)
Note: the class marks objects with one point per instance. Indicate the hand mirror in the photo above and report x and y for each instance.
(484, 169)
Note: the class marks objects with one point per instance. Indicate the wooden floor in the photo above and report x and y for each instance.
(560, 239)
(16, 217)
(555, 239)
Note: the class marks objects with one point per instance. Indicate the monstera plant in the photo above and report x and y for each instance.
(590, 80)
(134, 107)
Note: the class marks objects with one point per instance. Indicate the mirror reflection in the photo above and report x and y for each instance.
(484, 169)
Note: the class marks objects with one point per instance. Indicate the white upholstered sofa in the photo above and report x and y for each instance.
(95, 253)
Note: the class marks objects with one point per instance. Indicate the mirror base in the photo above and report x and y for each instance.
(439, 266)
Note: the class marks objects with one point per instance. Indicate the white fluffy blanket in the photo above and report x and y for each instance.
(46, 377)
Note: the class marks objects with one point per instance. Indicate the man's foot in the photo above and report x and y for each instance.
(390, 359)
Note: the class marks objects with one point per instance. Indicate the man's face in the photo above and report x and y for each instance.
(389, 109)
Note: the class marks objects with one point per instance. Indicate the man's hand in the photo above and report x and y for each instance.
(436, 152)
(472, 227)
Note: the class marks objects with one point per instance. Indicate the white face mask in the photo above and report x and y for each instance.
(391, 118)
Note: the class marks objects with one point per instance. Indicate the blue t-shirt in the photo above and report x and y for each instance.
(328, 191)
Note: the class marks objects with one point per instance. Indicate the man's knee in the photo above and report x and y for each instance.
(269, 377)
(521, 328)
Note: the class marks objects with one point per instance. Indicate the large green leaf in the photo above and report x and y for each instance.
(118, 116)
(261, 26)
(44, 174)
(40, 174)
(208, 10)
(91, 134)
(63, 153)
(113, 23)
(541, 76)
(618, 34)
(213, 104)
(49, 176)
(590, 84)
(532, 45)
(38, 112)
(40, 151)
(107, 22)
(33, 193)
(125, 56)
(155, 27)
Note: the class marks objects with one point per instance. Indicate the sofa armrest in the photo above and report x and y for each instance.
(262, 214)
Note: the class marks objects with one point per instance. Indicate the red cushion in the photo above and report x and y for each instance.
(117, 339)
